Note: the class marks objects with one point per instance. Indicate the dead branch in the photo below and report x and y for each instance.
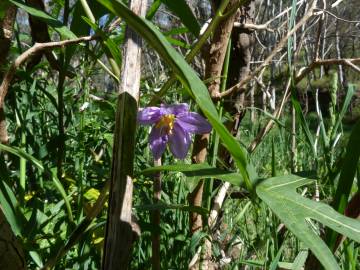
(38, 47)
(327, 62)
(322, 11)
(252, 26)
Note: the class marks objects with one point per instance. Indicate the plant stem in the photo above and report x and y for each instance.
(23, 161)
(61, 109)
(155, 237)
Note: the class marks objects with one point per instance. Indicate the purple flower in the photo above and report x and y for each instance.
(172, 124)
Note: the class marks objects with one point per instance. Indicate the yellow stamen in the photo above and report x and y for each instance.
(166, 121)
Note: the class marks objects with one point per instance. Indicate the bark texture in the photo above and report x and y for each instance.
(6, 34)
(242, 41)
(239, 67)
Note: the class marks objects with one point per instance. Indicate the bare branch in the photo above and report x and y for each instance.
(327, 62)
(322, 11)
(38, 47)
(254, 26)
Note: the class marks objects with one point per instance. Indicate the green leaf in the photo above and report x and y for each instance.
(301, 118)
(52, 22)
(78, 25)
(176, 31)
(347, 176)
(179, 43)
(164, 206)
(199, 171)
(348, 97)
(22, 154)
(9, 206)
(300, 260)
(110, 44)
(3, 7)
(153, 9)
(36, 258)
(348, 170)
(295, 211)
(274, 264)
(182, 10)
(190, 80)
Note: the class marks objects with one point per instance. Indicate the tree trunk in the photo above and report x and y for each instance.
(239, 66)
(6, 34)
(214, 64)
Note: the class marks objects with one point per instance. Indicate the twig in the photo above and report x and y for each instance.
(155, 235)
(38, 47)
(322, 11)
(336, 3)
(327, 62)
(218, 202)
(253, 26)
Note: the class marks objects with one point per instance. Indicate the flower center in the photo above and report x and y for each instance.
(166, 121)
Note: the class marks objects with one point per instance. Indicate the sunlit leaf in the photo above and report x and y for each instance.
(296, 211)
(200, 171)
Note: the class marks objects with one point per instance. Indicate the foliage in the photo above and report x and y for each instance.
(56, 169)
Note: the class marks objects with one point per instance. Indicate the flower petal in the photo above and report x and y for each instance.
(193, 122)
(158, 141)
(175, 108)
(179, 142)
(149, 115)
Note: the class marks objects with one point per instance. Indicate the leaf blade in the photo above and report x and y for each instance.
(279, 193)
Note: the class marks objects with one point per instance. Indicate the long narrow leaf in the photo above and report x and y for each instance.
(301, 118)
(8, 205)
(22, 154)
(200, 171)
(54, 23)
(348, 97)
(189, 79)
(182, 10)
(347, 176)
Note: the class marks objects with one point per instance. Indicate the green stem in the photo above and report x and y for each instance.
(61, 128)
(88, 11)
(114, 66)
(23, 161)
